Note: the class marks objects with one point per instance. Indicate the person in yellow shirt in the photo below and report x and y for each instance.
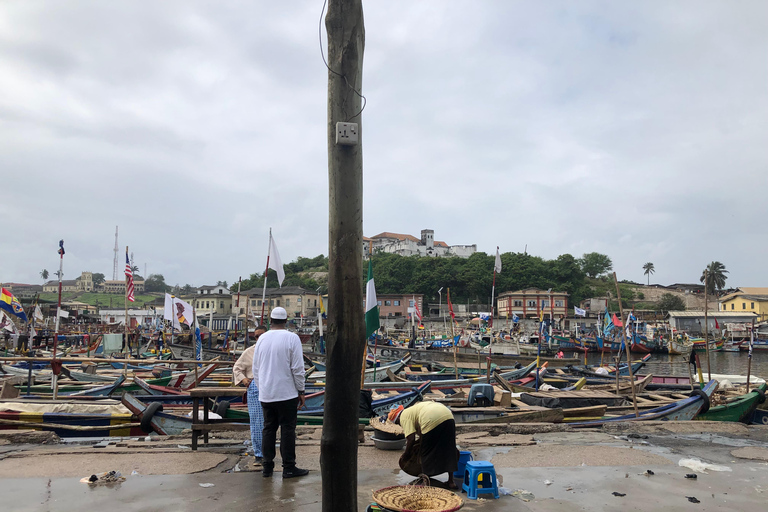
(436, 445)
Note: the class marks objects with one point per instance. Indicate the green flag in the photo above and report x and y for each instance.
(371, 305)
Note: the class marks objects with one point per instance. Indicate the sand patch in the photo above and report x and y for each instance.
(553, 455)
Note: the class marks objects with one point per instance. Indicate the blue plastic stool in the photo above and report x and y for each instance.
(464, 457)
(480, 478)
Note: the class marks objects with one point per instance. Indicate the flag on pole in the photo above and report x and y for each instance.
(198, 342)
(275, 263)
(61, 247)
(751, 341)
(6, 323)
(416, 309)
(371, 305)
(11, 305)
(177, 311)
(322, 307)
(128, 278)
(717, 326)
(515, 318)
(497, 263)
(38, 315)
(579, 311)
(450, 306)
(607, 324)
(616, 321)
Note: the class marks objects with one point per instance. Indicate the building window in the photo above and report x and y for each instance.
(241, 311)
(397, 303)
(378, 303)
(207, 304)
(410, 303)
(221, 305)
(258, 302)
(221, 291)
(387, 302)
(531, 303)
(743, 305)
(278, 302)
(753, 305)
(297, 300)
(558, 303)
(518, 303)
(732, 306)
(287, 302)
(545, 303)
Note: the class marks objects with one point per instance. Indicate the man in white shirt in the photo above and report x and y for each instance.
(278, 369)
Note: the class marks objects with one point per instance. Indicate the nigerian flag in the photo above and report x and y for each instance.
(371, 306)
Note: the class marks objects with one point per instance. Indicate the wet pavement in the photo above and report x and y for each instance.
(550, 470)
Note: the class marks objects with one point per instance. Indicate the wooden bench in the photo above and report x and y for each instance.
(208, 425)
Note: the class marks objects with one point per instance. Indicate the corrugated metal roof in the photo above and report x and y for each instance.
(718, 314)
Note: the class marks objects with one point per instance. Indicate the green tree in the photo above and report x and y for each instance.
(670, 302)
(155, 283)
(648, 270)
(715, 276)
(44, 274)
(594, 264)
(98, 278)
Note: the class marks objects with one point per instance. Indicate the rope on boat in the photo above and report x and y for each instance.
(82, 428)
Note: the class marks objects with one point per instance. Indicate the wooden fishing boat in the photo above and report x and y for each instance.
(447, 374)
(476, 415)
(153, 419)
(740, 408)
(682, 410)
(383, 405)
(71, 424)
(758, 345)
(377, 374)
(679, 346)
(714, 345)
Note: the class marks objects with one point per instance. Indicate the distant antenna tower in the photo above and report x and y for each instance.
(114, 266)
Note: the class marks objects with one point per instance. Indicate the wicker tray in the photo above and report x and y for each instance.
(417, 498)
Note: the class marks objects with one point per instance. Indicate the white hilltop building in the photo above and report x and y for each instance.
(409, 245)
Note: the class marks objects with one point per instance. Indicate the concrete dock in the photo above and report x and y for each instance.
(542, 467)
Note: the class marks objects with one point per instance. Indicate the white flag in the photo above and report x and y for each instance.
(177, 311)
(579, 311)
(497, 265)
(37, 314)
(63, 314)
(275, 263)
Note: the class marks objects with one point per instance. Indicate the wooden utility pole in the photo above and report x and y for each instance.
(346, 328)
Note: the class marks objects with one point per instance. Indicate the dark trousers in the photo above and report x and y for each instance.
(279, 414)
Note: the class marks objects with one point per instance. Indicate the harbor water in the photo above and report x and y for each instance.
(728, 363)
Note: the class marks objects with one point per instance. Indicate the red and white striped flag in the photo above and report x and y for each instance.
(128, 278)
(416, 309)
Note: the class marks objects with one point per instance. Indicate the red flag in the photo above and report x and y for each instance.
(717, 326)
(450, 306)
(616, 321)
(416, 308)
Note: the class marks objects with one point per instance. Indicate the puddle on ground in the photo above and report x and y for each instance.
(718, 439)
(488, 453)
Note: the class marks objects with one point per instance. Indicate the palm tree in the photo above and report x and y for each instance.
(44, 274)
(648, 267)
(715, 276)
(135, 269)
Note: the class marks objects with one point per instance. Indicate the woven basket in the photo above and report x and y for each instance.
(417, 498)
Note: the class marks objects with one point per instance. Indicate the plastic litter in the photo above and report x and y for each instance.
(211, 415)
(505, 491)
(548, 482)
(207, 485)
(602, 371)
(693, 499)
(648, 472)
(523, 495)
(618, 494)
(110, 477)
(134, 472)
(147, 439)
(692, 476)
(701, 467)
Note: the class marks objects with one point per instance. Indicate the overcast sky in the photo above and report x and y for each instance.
(634, 129)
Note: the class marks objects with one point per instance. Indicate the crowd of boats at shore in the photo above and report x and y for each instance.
(93, 395)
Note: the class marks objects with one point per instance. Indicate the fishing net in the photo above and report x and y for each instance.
(417, 498)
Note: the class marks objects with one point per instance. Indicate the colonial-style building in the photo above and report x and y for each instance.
(399, 305)
(754, 300)
(213, 290)
(118, 287)
(298, 302)
(409, 245)
(529, 303)
(24, 291)
(84, 283)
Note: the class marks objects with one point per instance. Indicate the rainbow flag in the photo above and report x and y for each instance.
(11, 304)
